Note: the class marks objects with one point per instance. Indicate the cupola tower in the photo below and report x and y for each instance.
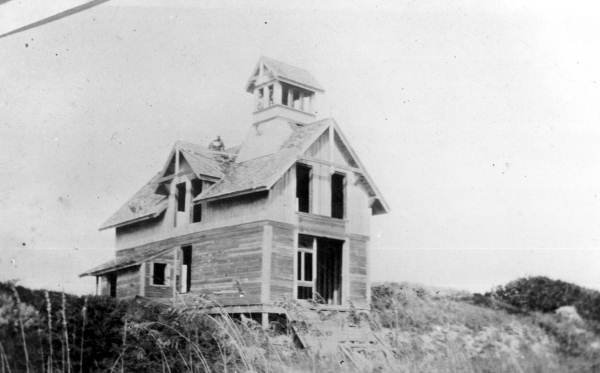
(283, 91)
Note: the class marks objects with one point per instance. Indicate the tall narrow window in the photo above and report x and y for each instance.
(305, 267)
(186, 269)
(197, 209)
(337, 196)
(284, 95)
(181, 197)
(296, 99)
(261, 94)
(270, 92)
(303, 176)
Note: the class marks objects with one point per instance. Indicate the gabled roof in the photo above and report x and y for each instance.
(125, 261)
(203, 162)
(261, 173)
(144, 204)
(148, 203)
(285, 72)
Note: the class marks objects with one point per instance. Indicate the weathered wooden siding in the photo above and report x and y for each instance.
(324, 226)
(358, 213)
(160, 291)
(282, 204)
(128, 282)
(231, 211)
(358, 270)
(282, 262)
(322, 149)
(237, 210)
(227, 260)
(139, 232)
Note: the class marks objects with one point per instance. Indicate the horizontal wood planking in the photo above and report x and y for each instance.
(321, 226)
(230, 211)
(358, 270)
(159, 291)
(227, 261)
(128, 282)
(282, 262)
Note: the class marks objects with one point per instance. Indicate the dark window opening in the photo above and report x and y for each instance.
(259, 104)
(112, 285)
(337, 196)
(197, 208)
(303, 176)
(196, 187)
(299, 266)
(187, 262)
(158, 273)
(308, 265)
(305, 292)
(270, 90)
(181, 197)
(197, 213)
(295, 99)
(284, 95)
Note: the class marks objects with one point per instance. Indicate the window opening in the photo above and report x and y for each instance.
(197, 208)
(305, 266)
(270, 90)
(181, 197)
(303, 176)
(112, 285)
(158, 273)
(337, 196)
(186, 269)
(284, 95)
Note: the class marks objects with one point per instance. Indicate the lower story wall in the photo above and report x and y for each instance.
(160, 291)
(227, 264)
(358, 267)
(127, 284)
(283, 251)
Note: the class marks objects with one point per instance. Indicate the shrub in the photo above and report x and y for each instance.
(543, 294)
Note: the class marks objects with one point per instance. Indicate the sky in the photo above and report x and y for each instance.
(477, 120)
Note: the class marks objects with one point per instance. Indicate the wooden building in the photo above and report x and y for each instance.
(284, 215)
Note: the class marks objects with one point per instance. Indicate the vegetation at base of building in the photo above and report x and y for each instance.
(418, 329)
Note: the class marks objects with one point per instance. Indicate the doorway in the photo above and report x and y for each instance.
(112, 284)
(319, 269)
(329, 270)
(186, 269)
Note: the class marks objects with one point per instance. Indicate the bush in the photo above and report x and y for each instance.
(102, 333)
(543, 294)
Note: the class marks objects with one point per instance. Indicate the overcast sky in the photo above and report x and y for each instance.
(479, 121)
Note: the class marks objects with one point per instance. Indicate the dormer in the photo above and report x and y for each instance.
(282, 91)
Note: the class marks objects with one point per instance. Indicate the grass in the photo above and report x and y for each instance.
(417, 330)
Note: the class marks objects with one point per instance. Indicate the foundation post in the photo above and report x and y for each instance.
(264, 320)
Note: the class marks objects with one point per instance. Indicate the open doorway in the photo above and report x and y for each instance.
(186, 269)
(329, 270)
(112, 284)
(319, 269)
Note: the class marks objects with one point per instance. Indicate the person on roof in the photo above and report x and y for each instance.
(217, 145)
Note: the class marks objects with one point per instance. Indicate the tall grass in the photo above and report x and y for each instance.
(413, 332)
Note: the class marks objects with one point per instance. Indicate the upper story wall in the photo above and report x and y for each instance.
(327, 156)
